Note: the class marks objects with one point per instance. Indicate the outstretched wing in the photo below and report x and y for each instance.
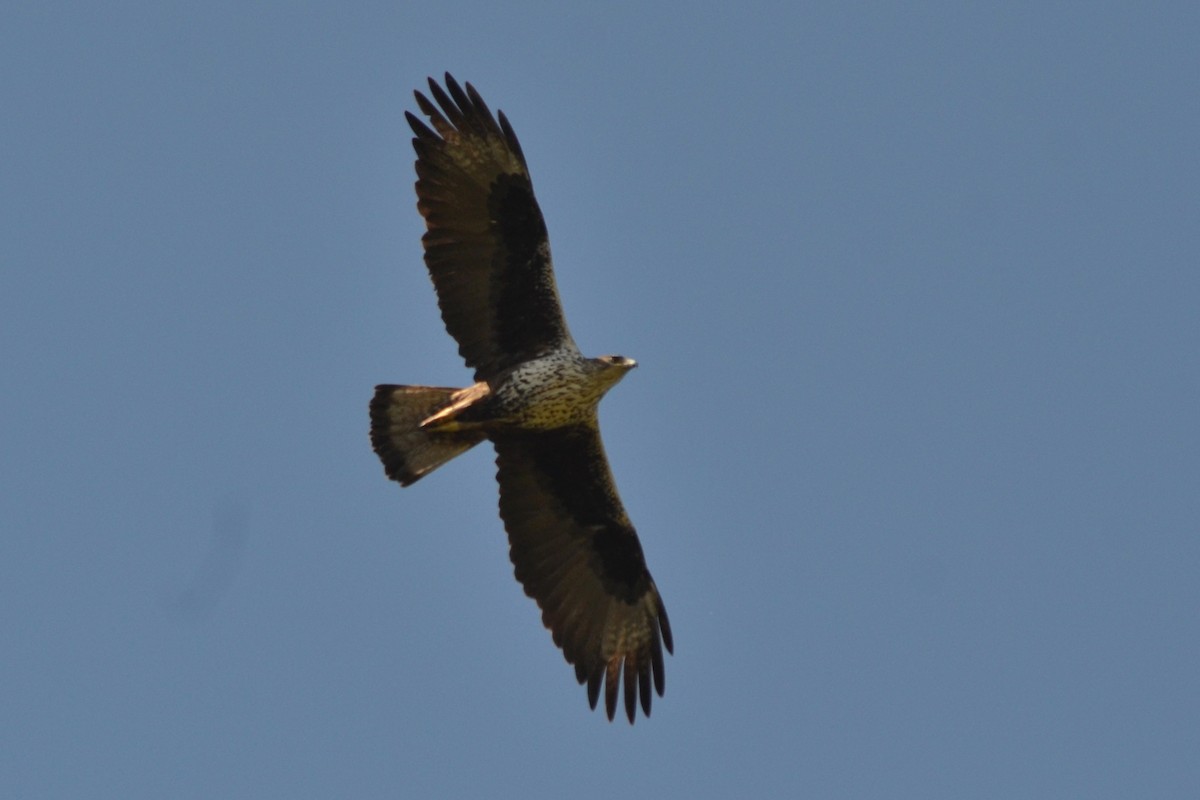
(578, 556)
(485, 244)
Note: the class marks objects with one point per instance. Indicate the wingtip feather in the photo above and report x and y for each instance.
(611, 685)
(631, 688)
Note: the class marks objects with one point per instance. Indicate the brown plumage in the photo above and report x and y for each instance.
(572, 545)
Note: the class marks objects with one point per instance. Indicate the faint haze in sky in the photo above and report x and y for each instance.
(913, 447)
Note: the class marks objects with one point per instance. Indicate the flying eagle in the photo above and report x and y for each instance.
(571, 543)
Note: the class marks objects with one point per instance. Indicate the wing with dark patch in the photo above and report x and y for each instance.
(576, 553)
(485, 245)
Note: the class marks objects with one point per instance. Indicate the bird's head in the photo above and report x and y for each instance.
(613, 368)
(620, 362)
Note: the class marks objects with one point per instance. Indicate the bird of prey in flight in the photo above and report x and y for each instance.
(572, 545)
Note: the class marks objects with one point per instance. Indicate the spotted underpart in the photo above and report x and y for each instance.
(554, 391)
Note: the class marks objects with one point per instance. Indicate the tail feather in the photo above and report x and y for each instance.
(407, 450)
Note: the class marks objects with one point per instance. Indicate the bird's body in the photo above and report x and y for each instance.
(556, 390)
(535, 397)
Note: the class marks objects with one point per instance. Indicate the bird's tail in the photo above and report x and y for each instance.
(408, 450)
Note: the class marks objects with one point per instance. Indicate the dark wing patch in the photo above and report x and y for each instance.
(486, 245)
(576, 553)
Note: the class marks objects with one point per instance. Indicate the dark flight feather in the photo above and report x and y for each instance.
(486, 245)
(578, 556)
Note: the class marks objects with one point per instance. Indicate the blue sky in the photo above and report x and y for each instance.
(913, 449)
